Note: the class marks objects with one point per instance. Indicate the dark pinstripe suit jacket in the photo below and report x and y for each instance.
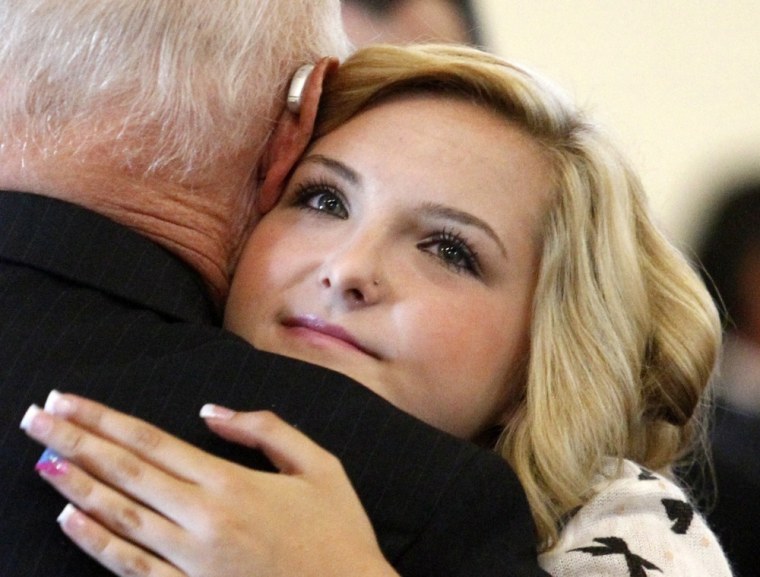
(87, 306)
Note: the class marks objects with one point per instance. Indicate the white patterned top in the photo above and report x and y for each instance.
(638, 524)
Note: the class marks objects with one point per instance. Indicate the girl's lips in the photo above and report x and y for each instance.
(318, 325)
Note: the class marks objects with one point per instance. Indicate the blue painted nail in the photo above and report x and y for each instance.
(51, 463)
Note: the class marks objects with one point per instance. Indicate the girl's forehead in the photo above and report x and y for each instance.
(428, 149)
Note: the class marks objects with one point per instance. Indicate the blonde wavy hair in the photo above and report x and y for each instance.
(178, 82)
(624, 335)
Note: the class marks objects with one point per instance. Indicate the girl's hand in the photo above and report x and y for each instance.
(146, 503)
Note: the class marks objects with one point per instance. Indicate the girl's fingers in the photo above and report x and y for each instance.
(120, 556)
(150, 443)
(112, 464)
(112, 510)
(288, 449)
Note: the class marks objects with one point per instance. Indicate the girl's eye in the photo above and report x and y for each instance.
(453, 251)
(322, 198)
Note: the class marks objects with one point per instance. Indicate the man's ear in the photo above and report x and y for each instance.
(293, 132)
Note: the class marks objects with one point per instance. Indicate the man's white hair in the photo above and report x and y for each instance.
(180, 81)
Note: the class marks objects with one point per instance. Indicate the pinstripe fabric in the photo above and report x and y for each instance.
(87, 306)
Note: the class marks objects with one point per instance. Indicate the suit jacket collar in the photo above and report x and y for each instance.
(85, 247)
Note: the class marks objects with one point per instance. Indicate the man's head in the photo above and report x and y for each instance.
(404, 21)
(154, 113)
(729, 253)
(186, 80)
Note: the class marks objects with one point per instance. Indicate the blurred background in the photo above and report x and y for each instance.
(678, 82)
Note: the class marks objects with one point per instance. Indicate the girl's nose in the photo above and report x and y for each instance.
(355, 275)
(355, 292)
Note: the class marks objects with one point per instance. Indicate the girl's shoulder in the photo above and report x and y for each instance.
(637, 523)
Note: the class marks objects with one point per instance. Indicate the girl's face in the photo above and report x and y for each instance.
(404, 254)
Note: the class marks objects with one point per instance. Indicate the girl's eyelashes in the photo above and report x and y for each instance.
(321, 197)
(453, 250)
(449, 247)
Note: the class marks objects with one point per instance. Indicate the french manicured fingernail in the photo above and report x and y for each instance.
(36, 421)
(51, 463)
(67, 512)
(57, 404)
(26, 420)
(210, 411)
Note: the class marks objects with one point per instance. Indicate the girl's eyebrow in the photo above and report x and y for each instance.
(443, 211)
(337, 166)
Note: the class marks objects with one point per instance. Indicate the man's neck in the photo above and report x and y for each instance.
(203, 224)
